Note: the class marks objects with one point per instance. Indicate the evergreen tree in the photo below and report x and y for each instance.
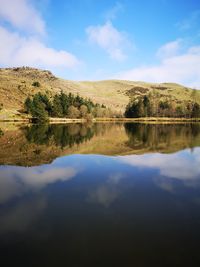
(147, 106)
(133, 110)
(64, 103)
(57, 109)
(28, 104)
(38, 109)
(196, 110)
(78, 101)
(46, 101)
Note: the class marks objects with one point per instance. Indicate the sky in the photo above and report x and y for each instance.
(140, 40)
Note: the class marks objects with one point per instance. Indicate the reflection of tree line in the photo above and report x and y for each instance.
(150, 136)
(63, 135)
(154, 136)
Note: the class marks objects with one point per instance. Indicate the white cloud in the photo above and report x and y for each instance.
(109, 38)
(22, 15)
(16, 50)
(24, 46)
(183, 68)
(170, 49)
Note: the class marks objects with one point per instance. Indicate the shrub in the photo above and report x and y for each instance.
(36, 84)
(73, 112)
(83, 111)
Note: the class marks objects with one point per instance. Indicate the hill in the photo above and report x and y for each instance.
(18, 83)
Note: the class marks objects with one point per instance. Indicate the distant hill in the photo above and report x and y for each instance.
(17, 83)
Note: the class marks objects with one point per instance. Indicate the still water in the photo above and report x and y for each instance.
(100, 195)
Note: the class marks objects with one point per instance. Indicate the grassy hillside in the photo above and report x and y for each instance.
(17, 83)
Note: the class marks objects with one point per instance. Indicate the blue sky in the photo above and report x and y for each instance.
(154, 40)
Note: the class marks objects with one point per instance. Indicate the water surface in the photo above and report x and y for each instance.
(100, 195)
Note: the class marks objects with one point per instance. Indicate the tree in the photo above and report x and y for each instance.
(140, 108)
(98, 111)
(57, 109)
(135, 109)
(89, 117)
(64, 103)
(73, 112)
(106, 112)
(164, 105)
(28, 105)
(179, 111)
(147, 106)
(83, 111)
(196, 110)
(70, 99)
(78, 101)
(164, 108)
(189, 108)
(154, 96)
(38, 109)
(48, 107)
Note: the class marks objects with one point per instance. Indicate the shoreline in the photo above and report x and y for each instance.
(67, 120)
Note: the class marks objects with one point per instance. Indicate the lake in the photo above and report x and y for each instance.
(100, 195)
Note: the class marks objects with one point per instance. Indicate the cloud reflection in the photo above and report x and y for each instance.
(15, 181)
(20, 216)
(105, 194)
(184, 165)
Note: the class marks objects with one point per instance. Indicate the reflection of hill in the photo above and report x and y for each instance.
(15, 150)
(40, 144)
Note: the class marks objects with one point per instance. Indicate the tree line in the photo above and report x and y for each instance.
(151, 106)
(62, 105)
